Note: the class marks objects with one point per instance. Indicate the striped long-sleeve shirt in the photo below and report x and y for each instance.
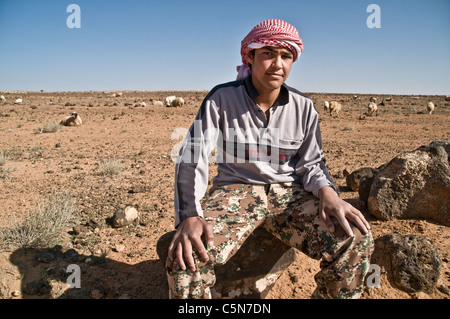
(250, 148)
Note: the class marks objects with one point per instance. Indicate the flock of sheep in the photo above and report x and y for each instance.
(170, 101)
(74, 118)
(334, 107)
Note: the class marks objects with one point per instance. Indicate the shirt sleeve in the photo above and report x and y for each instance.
(311, 166)
(191, 169)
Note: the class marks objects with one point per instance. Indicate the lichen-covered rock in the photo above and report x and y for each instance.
(411, 261)
(414, 185)
(354, 178)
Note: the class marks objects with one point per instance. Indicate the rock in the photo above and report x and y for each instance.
(79, 229)
(354, 178)
(365, 185)
(413, 260)
(252, 271)
(138, 189)
(125, 217)
(44, 256)
(71, 255)
(119, 248)
(414, 185)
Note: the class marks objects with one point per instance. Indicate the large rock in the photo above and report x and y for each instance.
(252, 271)
(412, 262)
(353, 179)
(414, 185)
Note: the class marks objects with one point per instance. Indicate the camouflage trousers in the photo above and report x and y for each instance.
(289, 213)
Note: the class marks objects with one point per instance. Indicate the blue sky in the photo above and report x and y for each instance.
(194, 45)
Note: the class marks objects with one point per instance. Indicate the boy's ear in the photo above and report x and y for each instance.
(250, 56)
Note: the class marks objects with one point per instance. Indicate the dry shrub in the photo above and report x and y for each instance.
(3, 158)
(43, 227)
(51, 127)
(111, 167)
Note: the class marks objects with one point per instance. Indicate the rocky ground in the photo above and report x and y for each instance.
(122, 262)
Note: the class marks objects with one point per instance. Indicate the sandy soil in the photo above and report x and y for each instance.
(122, 262)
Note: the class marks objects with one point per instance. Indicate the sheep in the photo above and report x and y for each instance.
(430, 107)
(372, 108)
(168, 100)
(373, 99)
(142, 104)
(2, 97)
(179, 101)
(335, 108)
(326, 106)
(18, 101)
(73, 120)
(158, 103)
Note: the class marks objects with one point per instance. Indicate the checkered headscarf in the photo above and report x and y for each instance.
(274, 32)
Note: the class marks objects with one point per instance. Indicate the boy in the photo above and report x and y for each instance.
(271, 174)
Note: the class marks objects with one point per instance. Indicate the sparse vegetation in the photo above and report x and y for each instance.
(3, 158)
(4, 173)
(51, 127)
(349, 127)
(43, 227)
(111, 167)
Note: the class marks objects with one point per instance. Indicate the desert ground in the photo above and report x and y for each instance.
(41, 159)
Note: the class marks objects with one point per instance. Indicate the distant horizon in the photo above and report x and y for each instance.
(151, 91)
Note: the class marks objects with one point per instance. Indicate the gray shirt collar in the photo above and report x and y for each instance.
(253, 93)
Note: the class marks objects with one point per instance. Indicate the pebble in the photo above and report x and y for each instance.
(119, 248)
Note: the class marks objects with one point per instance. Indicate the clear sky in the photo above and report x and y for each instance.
(194, 45)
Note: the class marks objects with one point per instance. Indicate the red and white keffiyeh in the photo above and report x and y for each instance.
(273, 32)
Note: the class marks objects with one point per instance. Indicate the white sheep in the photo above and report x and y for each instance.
(326, 106)
(335, 108)
(372, 108)
(158, 103)
(373, 99)
(72, 120)
(430, 107)
(142, 104)
(179, 101)
(168, 100)
(2, 97)
(18, 101)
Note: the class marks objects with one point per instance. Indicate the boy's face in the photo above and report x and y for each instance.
(270, 67)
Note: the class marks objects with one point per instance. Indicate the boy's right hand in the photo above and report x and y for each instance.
(187, 239)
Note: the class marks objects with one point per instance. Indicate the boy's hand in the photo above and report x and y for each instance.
(332, 205)
(188, 239)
